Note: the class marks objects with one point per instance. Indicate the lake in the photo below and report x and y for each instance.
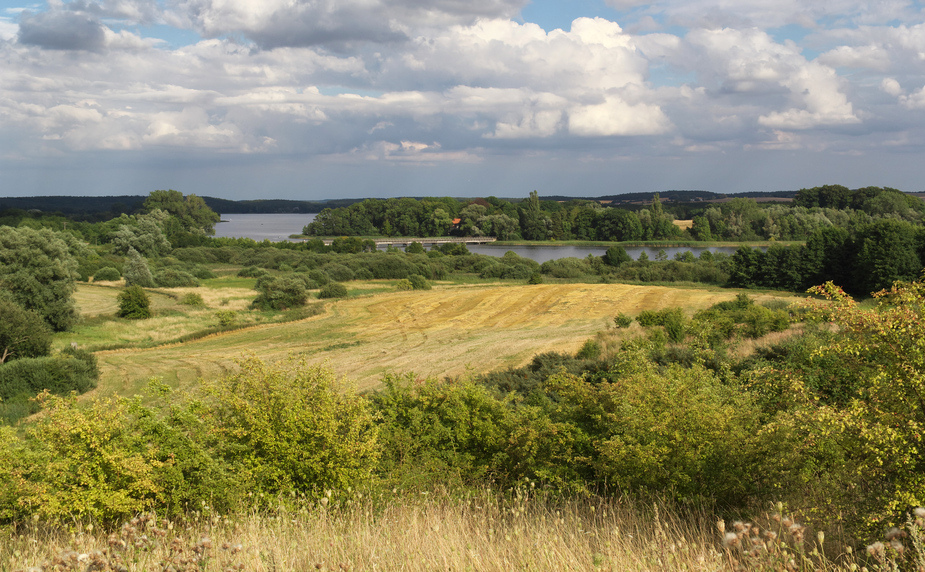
(272, 227)
(278, 227)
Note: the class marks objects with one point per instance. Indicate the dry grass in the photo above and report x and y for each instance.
(482, 533)
(446, 331)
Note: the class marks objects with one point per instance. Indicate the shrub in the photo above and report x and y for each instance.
(535, 278)
(107, 274)
(333, 290)
(202, 273)
(621, 320)
(23, 333)
(441, 432)
(252, 272)
(338, 272)
(418, 282)
(616, 256)
(569, 267)
(590, 350)
(173, 278)
(193, 299)
(134, 303)
(21, 380)
(403, 285)
(363, 274)
(319, 276)
(290, 428)
(281, 292)
(414, 247)
(226, 318)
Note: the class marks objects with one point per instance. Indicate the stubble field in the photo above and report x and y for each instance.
(449, 330)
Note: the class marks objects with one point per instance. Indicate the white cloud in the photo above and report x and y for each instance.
(617, 117)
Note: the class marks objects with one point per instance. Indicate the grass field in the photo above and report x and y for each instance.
(449, 330)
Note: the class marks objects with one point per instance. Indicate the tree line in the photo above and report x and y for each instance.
(739, 219)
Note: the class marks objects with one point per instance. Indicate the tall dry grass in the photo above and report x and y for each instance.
(483, 532)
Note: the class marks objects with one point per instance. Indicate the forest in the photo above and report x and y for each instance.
(765, 405)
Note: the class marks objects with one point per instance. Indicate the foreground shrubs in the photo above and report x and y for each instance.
(250, 438)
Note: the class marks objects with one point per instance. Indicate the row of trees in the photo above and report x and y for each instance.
(862, 261)
(534, 219)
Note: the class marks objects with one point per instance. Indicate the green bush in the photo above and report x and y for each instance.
(134, 303)
(333, 290)
(404, 285)
(535, 278)
(318, 276)
(107, 274)
(21, 380)
(338, 272)
(418, 282)
(173, 278)
(291, 427)
(193, 299)
(621, 320)
(202, 273)
(23, 333)
(252, 272)
(226, 318)
(447, 433)
(591, 349)
(281, 292)
(363, 274)
(414, 248)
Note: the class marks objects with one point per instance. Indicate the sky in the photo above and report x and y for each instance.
(322, 99)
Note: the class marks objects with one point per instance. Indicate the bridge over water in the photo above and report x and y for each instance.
(431, 241)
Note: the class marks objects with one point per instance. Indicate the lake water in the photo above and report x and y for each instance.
(278, 227)
(272, 227)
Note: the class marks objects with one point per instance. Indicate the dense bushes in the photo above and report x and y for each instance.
(256, 437)
(21, 380)
(281, 292)
(134, 303)
(107, 274)
(23, 333)
(333, 290)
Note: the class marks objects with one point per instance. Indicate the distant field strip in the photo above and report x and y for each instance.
(445, 331)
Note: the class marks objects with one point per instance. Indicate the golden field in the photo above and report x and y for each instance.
(449, 330)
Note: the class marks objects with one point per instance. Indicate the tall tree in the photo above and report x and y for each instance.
(39, 273)
(190, 214)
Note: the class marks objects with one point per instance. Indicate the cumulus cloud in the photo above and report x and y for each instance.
(714, 14)
(275, 23)
(62, 30)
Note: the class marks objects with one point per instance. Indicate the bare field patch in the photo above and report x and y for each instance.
(445, 331)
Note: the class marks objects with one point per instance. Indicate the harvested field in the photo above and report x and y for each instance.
(445, 331)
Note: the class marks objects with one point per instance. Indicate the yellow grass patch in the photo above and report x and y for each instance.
(445, 331)
(684, 224)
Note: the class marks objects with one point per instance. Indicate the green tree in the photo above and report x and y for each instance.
(39, 272)
(188, 214)
(887, 250)
(616, 256)
(701, 229)
(23, 333)
(134, 303)
(136, 270)
(533, 222)
(146, 235)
